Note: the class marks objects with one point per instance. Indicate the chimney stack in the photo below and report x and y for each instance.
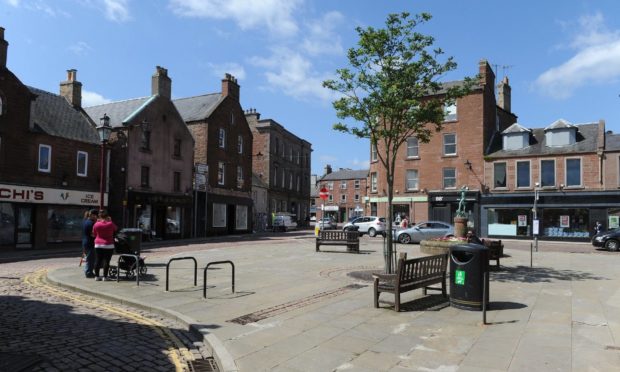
(230, 87)
(328, 169)
(161, 83)
(4, 46)
(487, 77)
(72, 89)
(503, 94)
(252, 116)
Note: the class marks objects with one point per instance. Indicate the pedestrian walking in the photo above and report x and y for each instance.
(88, 243)
(404, 223)
(103, 231)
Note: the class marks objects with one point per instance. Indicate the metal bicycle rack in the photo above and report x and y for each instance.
(204, 285)
(179, 259)
(118, 265)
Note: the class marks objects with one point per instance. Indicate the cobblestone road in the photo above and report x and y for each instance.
(64, 331)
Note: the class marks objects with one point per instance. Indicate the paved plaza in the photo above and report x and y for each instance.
(295, 309)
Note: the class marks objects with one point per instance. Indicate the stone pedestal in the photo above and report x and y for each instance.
(460, 227)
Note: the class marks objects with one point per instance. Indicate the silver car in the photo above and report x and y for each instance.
(327, 224)
(424, 231)
(371, 225)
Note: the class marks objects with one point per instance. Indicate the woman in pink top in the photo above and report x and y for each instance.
(103, 231)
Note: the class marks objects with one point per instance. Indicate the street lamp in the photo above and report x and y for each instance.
(104, 130)
(535, 223)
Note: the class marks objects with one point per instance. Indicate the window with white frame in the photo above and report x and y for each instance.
(219, 215)
(221, 173)
(330, 198)
(450, 112)
(343, 198)
(449, 144)
(573, 172)
(240, 144)
(547, 173)
(330, 186)
(356, 197)
(239, 176)
(45, 158)
(449, 178)
(499, 174)
(343, 185)
(412, 147)
(356, 184)
(82, 163)
(222, 138)
(523, 174)
(373, 182)
(412, 180)
(373, 152)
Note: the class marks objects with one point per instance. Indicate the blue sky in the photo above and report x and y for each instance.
(562, 58)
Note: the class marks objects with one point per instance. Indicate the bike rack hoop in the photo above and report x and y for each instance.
(204, 283)
(179, 259)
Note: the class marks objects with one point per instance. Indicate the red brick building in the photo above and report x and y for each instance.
(282, 161)
(347, 194)
(151, 163)
(223, 147)
(428, 176)
(49, 161)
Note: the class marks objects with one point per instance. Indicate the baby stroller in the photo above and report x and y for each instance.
(127, 264)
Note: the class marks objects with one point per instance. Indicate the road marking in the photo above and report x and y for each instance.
(176, 348)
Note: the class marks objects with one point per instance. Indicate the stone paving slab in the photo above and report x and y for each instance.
(561, 314)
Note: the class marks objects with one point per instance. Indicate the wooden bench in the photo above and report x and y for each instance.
(412, 274)
(496, 250)
(351, 239)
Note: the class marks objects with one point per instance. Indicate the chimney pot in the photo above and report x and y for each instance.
(230, 87)
(72, 89)
(504, 94)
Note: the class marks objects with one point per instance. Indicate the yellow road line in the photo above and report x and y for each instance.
(176, 347)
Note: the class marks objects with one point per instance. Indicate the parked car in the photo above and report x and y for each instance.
(423, 231)
(608, 239)
(327, 223)
(284, 222)
(371, 225)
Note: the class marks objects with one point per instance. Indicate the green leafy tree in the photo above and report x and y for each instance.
(392, 91)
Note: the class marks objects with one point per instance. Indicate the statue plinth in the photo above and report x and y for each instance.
(460, 226)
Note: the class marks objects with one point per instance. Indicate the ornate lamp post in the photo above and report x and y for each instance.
(104, 130)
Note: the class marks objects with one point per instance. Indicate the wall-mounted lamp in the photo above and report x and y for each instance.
(468, 164)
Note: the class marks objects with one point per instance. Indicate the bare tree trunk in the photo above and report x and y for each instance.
(389, 255)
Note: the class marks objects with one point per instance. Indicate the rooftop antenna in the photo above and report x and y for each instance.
(503, 67)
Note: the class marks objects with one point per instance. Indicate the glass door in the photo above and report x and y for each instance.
(23, 229)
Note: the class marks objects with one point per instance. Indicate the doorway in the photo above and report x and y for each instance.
(23, 227)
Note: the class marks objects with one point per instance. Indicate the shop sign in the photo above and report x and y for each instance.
(614, 222)
(565, 221)
(331, 208)
(522, 220)
(41, 195)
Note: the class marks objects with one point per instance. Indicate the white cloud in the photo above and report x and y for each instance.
(292, 73)
(595, 61)
(327, 158)
(321, 37)
(14, 3)
(116, 10)
(81, 48)
(361, 164)
(276, 15)
(232, 68)
(93, 99)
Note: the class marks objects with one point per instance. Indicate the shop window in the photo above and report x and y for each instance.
(143, 217)
(499, 175)
(449, 178)
(219, 215)
(451, 112)
(222, 138)
(449, 144)
(221, 176)
(45, 158)
(523, 174)
(82, 163)
(565, 223)
(547, 173)
(373, 182)
(64, 224)
(173, 220)
(145, 176)
(509, 222)
(573, 172)
(412, 147)
(7, 224)
(241, 217)
(176, 181)
(412, 179)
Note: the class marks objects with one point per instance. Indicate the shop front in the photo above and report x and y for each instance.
(160, 216)
(561, 215)
(443, 206)
(33, 217)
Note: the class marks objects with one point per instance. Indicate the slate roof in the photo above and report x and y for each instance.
(346, 174)
(586, 141)
(198, 107)
(516, 128)
(612, 142)
(560, 124)
(119, 111)
(53, 114)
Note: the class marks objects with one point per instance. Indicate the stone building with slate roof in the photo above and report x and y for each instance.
(49, 161)
(347, 194)
(282, 161)
(151, 162)
(223, 148)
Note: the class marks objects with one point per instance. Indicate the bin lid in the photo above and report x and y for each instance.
(468, 247)
(131, 230)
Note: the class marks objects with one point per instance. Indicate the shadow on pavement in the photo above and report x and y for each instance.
(426, 303)
(540, 275)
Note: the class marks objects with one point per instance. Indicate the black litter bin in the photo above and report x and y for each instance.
(131, 240)
(468, 263)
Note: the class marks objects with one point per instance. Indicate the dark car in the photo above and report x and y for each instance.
(608, 239)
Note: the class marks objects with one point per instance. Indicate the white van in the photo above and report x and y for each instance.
(284, 222)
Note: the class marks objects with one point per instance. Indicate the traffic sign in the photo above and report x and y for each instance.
(323, 193)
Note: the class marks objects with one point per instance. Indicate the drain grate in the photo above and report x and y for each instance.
(293, 305)
(204, 365)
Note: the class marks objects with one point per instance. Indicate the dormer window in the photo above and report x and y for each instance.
(560, 133)
(515, 137)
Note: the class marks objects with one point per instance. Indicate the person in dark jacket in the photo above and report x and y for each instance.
(472, 238)
(88, 243)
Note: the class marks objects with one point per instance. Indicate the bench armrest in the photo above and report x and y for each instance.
(390, 278)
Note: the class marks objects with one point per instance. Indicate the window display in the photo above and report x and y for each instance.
(7, 224)
(173, 220)
(64, 224)
(508, 222)
(565, 223)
